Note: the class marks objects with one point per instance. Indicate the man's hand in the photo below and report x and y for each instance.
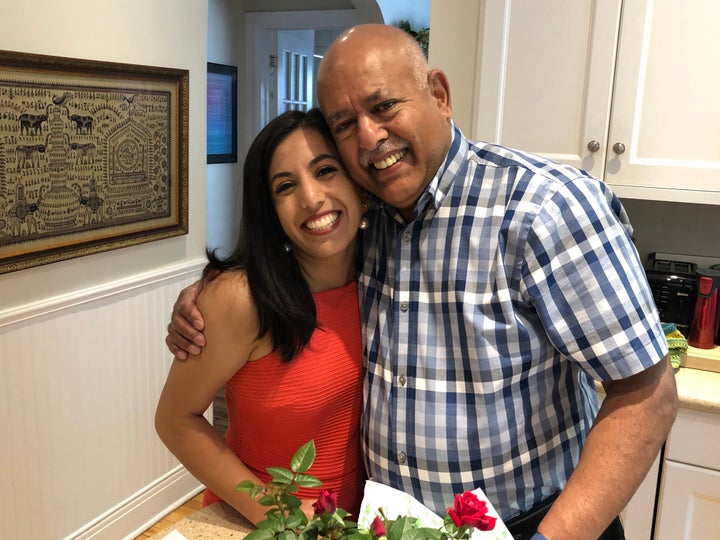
(186, 325)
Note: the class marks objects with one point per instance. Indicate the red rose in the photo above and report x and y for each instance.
(469, 511)
(326, 502)
(377, 527)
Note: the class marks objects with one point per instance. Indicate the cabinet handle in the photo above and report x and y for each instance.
(619, 148)
(593, 146)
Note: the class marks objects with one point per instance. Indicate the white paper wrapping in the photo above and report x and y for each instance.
(397, 503)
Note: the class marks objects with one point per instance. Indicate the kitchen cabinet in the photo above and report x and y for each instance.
(625, 89)
(689, 497)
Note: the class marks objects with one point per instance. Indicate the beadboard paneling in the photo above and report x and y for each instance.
(79, 378)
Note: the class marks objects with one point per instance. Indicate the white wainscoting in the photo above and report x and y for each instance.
(80, 376)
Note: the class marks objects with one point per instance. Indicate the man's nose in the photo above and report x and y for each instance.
(370, 132)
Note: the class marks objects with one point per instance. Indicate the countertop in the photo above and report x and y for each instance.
(218, 521)
(698, 389)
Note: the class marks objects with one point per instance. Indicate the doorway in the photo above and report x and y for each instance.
(273, 38)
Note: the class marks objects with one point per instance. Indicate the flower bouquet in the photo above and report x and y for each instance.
(381, 514)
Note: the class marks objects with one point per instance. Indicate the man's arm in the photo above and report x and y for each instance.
(633, 422)
(185, 331)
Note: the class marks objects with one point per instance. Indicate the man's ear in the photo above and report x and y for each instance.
(440, 89)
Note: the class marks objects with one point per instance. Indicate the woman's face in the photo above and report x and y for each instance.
(316, 202)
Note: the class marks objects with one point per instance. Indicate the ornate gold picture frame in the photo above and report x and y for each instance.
(93, 157)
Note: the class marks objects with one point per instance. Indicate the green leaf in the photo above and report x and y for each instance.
(397, 529)
(281, 474)
(245, 485)
(260, 534)
(359, 535)
(308, 481)
(295, 519)
(304, 457)
(422, 533)
(287, 535)
(291, 501)
(311, 532)
(266, 500)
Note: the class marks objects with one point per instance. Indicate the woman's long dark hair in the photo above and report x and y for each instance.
(284, 302)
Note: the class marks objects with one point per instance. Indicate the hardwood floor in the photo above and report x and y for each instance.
(190, 507)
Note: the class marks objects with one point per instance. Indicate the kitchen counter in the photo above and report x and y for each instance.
(215, 522)
(698, 390)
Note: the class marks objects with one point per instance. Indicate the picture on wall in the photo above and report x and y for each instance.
(93, 157)
(221, 113)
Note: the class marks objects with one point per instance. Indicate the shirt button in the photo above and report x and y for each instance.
(407, 236)
(402, 380)
(402, 457)
(404, 306)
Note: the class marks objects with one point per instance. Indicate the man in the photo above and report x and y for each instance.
(496, 286)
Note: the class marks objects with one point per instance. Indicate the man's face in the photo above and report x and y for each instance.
(391, 133)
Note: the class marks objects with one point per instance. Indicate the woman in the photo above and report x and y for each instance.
(282, 327)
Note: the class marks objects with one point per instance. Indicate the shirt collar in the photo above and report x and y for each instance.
(444, 178)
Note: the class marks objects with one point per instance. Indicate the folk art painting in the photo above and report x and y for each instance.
(93, 157)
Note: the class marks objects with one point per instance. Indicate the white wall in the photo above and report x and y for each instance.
(225, 45)
(82, 358)
(160, 33)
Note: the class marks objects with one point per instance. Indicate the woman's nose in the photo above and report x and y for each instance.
(312, 195)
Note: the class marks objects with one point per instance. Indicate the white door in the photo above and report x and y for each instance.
(666, 110)
(294, 74)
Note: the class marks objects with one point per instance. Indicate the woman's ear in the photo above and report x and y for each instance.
(440, 89)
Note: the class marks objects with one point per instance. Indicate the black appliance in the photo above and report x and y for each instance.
(674, 288)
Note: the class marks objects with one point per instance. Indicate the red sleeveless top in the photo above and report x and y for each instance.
(274, 407)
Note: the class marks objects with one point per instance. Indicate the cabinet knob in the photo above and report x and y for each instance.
(619, 148)
(593, 146)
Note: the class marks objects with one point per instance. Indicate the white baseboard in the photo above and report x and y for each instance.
(147, 507)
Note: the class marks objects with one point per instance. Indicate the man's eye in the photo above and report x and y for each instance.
(342, 126)
(385, 105)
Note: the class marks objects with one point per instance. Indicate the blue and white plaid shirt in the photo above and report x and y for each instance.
(486, 320)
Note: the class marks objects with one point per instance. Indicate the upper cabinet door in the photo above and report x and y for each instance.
(546, 71)
(666, 102)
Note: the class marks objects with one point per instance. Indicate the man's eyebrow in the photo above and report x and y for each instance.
(367, 100)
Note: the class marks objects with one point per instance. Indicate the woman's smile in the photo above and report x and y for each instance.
(323, 223)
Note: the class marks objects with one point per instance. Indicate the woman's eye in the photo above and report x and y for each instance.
(282, 187)
(327, 169)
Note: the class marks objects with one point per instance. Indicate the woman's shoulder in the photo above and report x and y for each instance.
(228, 296)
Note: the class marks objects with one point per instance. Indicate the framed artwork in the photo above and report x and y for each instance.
(221, 113)
(93, 157)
